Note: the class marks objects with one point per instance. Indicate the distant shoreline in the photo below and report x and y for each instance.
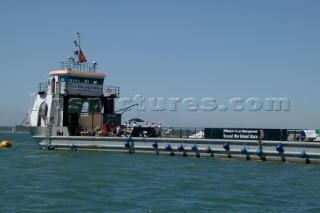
(18, 129)
(19, 132)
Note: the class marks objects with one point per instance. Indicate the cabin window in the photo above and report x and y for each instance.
(74, 79)
(97, 81)
(83, 80)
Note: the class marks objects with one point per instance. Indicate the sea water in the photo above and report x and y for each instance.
(36, 180)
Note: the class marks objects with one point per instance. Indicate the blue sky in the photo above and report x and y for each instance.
(172, 49)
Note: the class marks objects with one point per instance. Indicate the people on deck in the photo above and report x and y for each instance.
(118, 131)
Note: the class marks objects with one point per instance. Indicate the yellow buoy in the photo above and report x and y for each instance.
(5, 144)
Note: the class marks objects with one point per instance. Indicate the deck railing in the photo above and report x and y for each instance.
(84, 67)
(111, 91)
(186, 132)
(181, 132)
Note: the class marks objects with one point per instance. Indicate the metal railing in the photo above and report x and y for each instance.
(113, 91)
(84, 67)
(181, 132)
(176, 132)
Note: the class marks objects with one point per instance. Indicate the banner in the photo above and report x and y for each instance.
(85, 89)
(246, 134)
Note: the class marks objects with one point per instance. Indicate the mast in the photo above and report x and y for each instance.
(78, 52)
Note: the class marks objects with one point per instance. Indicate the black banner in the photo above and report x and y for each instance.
(246, 134)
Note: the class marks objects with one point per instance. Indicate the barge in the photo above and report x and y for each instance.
(75, 111)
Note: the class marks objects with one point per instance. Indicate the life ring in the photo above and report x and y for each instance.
(109, 90)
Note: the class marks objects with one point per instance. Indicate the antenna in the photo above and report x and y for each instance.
(78, 39)
(77, 46)
(78, 52)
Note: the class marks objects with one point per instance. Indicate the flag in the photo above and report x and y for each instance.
(82, 59)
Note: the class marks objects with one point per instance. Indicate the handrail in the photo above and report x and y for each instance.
(83, 67)
(113, 91)
(194, 133)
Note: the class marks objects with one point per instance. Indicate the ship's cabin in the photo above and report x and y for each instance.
(81, 100)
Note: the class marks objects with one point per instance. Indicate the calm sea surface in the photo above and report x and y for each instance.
(34, 180)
